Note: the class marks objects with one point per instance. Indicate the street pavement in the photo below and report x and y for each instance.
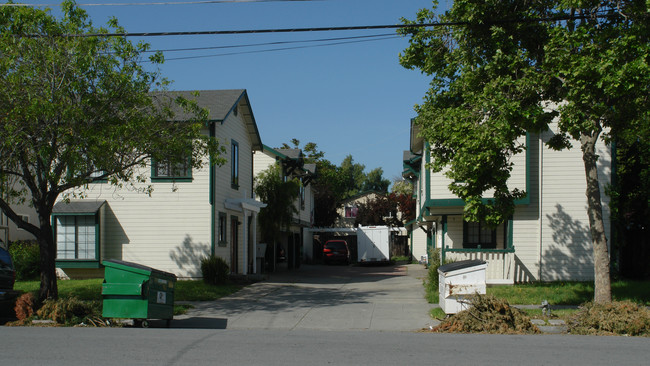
(316, 297)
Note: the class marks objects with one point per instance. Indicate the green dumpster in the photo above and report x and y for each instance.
(131, 290)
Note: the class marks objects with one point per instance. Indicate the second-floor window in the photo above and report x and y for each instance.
(351, 211)
(234, 177)
(162, 170)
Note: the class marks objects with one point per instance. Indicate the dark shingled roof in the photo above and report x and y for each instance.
(220, 104)
(77, 207)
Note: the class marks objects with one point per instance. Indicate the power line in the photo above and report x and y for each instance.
(343, 28)
(167, 3)
(278, 49)
(389, 35)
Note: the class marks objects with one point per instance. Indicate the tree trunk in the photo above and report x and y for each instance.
(49, 288)
(602, 283)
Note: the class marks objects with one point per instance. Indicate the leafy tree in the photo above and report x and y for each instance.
(405, 205)
(630, 204)
(375, 181)
(77, 109)
(494, 73)
(352, 177)
(402, 186)
(377, 211)
(279, 197)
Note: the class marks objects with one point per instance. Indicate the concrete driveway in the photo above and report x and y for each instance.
(380, 298)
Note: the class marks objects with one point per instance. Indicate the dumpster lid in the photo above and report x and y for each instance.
(460, 265)
(141, 268)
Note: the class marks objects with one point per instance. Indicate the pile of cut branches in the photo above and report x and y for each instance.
(488, 314)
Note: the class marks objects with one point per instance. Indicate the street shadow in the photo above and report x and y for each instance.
(188, 256)
(191, 323)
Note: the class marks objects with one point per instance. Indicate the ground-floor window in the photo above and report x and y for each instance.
(478, 234)
(76, 237)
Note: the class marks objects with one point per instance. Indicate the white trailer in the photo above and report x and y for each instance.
(373, 244)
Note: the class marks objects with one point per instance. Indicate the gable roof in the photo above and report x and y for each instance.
(220, 104)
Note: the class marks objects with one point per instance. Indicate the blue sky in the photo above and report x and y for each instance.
(350, 98)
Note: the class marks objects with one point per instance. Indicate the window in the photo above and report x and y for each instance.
(478, 234)
(222, 240)
(76, 237)
(166, 171)
(234, 164)
(302, 195)
(351, 211)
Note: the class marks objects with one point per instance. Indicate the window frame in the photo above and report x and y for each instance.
(234, 165)
(78, 262)
(186, 177)
(222, 229)
(482, 229)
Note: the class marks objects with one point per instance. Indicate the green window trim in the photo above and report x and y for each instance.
(481, 229)
(184, 176)
(78, 262)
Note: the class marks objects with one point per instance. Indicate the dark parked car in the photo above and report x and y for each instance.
(7, 279)
(336, 251)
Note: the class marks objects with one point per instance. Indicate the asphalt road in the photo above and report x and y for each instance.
(132, 346)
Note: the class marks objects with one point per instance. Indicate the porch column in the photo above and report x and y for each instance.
(254, 233)
(245, 234)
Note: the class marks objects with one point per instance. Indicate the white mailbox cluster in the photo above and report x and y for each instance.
(458, 281)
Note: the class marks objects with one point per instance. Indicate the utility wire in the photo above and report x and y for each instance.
(167, 3)
(279, 49)
(389, 35)
(344, 28)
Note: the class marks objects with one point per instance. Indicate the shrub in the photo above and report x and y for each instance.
(433, 279)
(68, 310)
(487, 314)
(25, 306)
(215, 270)
(619, 317)
(26, 257)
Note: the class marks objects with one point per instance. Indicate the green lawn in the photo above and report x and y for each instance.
(92, 289)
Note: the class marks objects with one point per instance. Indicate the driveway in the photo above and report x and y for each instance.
(386, 298)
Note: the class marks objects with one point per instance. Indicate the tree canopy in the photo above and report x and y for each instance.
(499, 68)
(77, 107)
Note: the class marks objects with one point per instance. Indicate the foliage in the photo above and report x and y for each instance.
(630, 203)
(91, 289)
(201, 291)
(405, 205)
(501, 73)
(376, 211)
(402, 187)
(488, 314)
(280, 197)
(622, 318)
(74, 110)
(432, 284)
(215, 270)
(374, 181)
(69, 311)
(26, 258)
(26, 305)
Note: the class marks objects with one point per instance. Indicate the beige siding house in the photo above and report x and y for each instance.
(293, 165)
(548, 236)
(189, 215)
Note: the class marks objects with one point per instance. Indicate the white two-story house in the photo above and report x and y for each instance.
(548, 237)
(190, 214)
(294, 246)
